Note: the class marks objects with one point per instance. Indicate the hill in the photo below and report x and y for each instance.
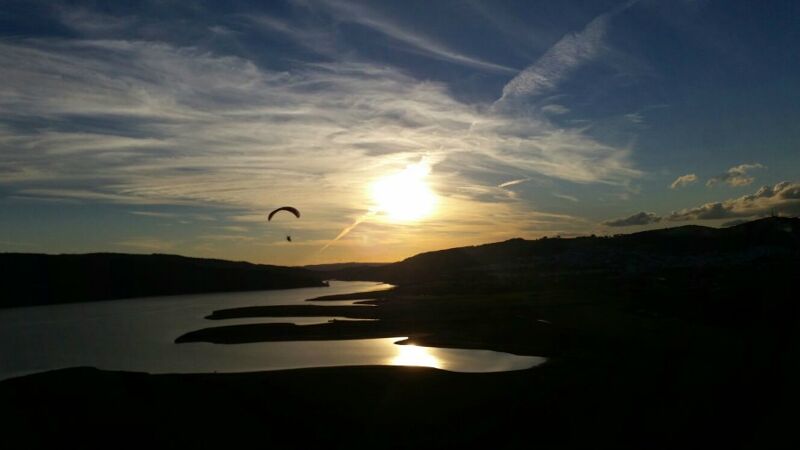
(518, 261)
(37, 279)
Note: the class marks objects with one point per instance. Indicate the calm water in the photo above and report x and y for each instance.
(138, 335)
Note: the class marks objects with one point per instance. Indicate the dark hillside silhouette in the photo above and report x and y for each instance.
(517, 261)
(35, 279)
(664, 339)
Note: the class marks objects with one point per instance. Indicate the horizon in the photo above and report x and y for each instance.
(416, 254)
(175, 129)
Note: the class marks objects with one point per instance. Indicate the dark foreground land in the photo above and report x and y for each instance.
(695, 346)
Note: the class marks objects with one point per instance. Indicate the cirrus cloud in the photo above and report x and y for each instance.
(146, 123)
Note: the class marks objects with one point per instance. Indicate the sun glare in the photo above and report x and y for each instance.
(405, 196)
(411, 355)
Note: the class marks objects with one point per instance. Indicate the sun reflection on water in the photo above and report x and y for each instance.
(411, 355)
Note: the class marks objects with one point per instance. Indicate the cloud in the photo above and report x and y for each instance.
(641, 218)
(146, 123)
(90, 22)
(555, 109)
(567, 197)
(359, 14)
(316, 39)
(157, 123)
(513, 182)
(736, 176)
(572, 51)
(782, 198)
(559, 61)
(90, 195)
(683, 180)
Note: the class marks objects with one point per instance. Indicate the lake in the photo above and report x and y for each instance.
(138, 335)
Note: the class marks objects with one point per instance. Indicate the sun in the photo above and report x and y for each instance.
(405, 196)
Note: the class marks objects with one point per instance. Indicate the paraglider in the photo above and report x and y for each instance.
(291, 209)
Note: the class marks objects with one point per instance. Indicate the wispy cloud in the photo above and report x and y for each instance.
(571, 52)
(316, 39)
(560, 60)
(736, 176)
(683, 181)
(563, 58)
(524, 35)
(555, 109)
(92, 22)
(182, 124)
(566, 197)
(416, 41)
(143, 123)
(513, 182)
(90, 195)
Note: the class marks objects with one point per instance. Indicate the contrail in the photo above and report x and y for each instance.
(513, 182)
(349, 228)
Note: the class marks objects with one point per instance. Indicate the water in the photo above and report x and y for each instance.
(138, 335)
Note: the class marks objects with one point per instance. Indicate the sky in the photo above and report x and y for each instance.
(394, 127)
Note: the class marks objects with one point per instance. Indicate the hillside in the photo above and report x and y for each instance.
(37, 279)
(518, 261)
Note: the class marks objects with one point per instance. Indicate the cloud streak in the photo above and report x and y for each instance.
(358, 14)
(513, 182)
(562, 59)
(569, 53)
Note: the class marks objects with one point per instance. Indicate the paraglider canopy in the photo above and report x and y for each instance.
(291, 209)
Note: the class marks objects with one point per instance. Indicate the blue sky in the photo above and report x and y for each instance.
(175, 126)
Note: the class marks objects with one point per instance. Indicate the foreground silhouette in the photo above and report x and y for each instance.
(676, 338)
